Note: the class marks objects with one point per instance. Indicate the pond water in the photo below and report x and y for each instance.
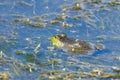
(26, 51)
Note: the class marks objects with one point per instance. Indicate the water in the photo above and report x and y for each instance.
(25, 25)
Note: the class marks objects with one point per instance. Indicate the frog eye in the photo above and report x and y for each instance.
(57, 37)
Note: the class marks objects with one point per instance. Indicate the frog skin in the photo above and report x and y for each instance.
(71, 45)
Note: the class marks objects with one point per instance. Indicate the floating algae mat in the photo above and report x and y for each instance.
(33, 46)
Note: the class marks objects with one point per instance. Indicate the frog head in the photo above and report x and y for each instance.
(56, 42)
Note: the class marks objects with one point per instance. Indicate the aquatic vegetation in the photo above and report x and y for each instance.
(102, 74)
(61, 17)
(26, 21)
(54, 21)
(100, 46)
(114, 3)
(116, 69)
(42, 76)
(71, 75)
(19, 52)
(37, 24)
(55, 77)
(37, 18)
(4, 76)
(77, 6)
(28, 67)
(77, 17)
(16, 20)
(110, 76)
(66, 25)
(53, 62)
(16, 15)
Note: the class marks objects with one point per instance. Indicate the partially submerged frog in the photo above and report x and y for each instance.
(71, 45)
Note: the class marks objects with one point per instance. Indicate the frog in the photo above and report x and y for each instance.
(71, 45)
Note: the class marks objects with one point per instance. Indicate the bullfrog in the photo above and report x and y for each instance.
(71, 45)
